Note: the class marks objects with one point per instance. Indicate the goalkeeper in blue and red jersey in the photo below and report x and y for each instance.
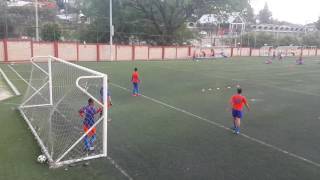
(88, 112)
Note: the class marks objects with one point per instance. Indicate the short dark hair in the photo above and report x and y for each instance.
(135, 69)
(239, 90)
(90, 100)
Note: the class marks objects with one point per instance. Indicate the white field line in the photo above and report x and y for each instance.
(116, 165)
(13, 88)
(123, 172)
(226, 128)
(18, 74)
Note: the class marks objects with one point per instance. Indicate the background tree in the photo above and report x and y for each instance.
(20, 21)
(165, 18)
(318, 24)
(265, 15)
(5, 23)
(51, 32)
(312, 39)
(288, 40)
(150, 21)
(257, 39)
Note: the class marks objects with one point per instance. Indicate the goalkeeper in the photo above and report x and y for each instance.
(88, 112)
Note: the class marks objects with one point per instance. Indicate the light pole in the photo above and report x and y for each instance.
(111, 32)
(37, 20)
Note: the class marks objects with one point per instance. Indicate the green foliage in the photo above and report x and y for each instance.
(318, 24)
(150, 21)
(312, 39)
(20, 21)
(265, 15)
(288, 40)
(257, 40)
(51, 32)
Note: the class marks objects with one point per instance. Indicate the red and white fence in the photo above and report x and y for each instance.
(23, 50)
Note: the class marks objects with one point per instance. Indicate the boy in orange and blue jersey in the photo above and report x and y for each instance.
(237, 101)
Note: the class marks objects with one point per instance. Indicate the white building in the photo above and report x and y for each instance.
(284, 29)
(236, 23)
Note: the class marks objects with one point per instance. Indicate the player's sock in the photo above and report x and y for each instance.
(92, 140)
(86, 143)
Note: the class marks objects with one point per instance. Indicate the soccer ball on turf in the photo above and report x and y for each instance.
(42, 159)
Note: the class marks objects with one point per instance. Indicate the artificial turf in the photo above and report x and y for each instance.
(178, 135)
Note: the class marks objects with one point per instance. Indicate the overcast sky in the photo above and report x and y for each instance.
(295, 11)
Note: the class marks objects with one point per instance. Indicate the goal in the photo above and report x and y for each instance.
(57, 91)
(266, 51)
(289, 50)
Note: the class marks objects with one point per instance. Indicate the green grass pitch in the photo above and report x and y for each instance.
(178, 129)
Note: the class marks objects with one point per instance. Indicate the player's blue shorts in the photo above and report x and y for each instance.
(237, 114)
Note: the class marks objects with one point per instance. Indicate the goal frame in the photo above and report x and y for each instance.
(56, 163)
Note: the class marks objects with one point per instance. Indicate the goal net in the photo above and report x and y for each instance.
(288, 50)
(57, 91)
(207, 52)
(266, 51)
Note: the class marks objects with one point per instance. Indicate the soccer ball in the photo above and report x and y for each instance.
(42, 159)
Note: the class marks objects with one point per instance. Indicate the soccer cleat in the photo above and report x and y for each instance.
(91, 148)
(236, 131)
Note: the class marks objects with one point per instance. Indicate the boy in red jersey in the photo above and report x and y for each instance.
(237, 101)
(135, 81)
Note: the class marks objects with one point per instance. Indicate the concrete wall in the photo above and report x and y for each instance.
(104, 51)
(1, 51)
(68, 51)
(124, 53)
(170, 53)
(183, 53)
(155, 53)
(19, 50)
(43, 49)
(255, 52)
(87, 52)
(141, 52)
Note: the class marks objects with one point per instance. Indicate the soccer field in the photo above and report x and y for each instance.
(179, 128)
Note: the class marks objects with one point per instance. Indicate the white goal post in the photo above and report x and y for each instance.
(57, 91)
